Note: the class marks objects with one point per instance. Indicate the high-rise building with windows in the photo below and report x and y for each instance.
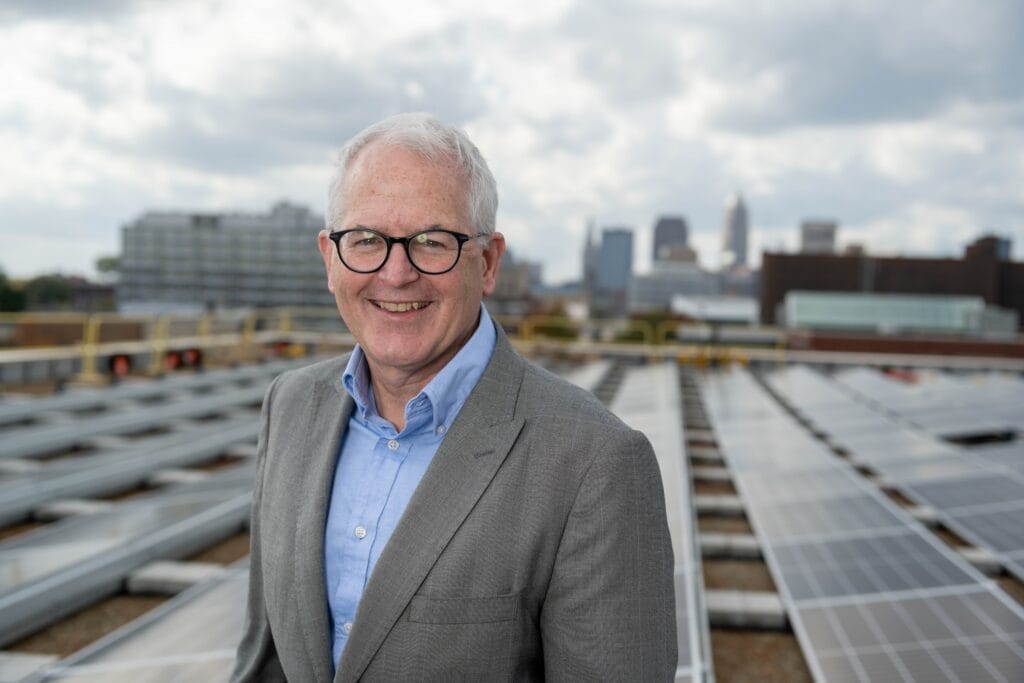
(197, 261)
(613, 273)
(734, 233)
(671, 238)
(818, 236)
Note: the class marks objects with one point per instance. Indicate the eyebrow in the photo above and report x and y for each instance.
(435, 226)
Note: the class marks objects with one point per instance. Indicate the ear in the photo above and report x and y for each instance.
(492, 261)
(329, 254)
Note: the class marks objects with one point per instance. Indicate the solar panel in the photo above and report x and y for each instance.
(649, 399)
(969, 636)
(789, 518)
(983, 489)
(899, 561)
(865, 585)
(191, 638)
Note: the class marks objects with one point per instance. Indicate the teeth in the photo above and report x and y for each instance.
(401, 307)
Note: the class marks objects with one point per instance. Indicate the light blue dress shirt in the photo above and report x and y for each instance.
(378, 470)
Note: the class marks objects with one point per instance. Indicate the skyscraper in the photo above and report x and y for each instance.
(818, 236)
(589, 262)
(734, 232)
(615, 259)
(614, 272)
(670, 235)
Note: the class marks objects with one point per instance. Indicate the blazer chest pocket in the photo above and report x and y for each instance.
(499, 608)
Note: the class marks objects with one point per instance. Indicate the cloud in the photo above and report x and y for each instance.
(889, 117)
(799, 64)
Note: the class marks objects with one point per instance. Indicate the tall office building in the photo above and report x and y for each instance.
(614, 272)
(734, 232)
(818, 237)
(589, 279)
(196, 261)
(671, 237)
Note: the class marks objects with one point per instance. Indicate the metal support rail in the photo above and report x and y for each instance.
(90, 399)
(34, 605)
(38, 441)
(122, 469)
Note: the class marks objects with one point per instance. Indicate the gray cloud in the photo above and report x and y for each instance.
(304, 106)
(861, 63)
(67, 10)
(626, 49)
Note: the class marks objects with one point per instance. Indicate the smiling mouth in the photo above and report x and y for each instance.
(401, 307)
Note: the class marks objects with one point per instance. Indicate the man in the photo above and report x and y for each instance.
(434, 506)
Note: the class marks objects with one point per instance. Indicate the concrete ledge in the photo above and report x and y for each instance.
(745, 609)
(170, 476)
(729, 546)
(55, 417)
(243, 450)
(924, 514)
(107, 442)
(70, 507)
(170, 578)
(18, 466)
(701, 434)
(17, 666)
(719, 505)
(983, 560)
(710, 474)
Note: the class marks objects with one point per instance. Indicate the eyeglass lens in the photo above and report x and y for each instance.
(433, 251)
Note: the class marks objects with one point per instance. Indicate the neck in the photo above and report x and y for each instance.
(391, 397)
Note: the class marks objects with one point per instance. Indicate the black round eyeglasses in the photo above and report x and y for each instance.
(432, 252)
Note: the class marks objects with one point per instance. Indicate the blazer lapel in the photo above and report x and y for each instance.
(468, 458)
(313, 475)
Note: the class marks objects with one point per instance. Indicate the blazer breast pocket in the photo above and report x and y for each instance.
(486, 610)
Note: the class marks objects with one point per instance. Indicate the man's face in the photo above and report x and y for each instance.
(397, 192)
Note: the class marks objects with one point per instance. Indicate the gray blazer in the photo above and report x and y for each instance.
(536, 545)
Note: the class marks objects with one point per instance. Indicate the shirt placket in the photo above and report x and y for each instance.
(362, 528)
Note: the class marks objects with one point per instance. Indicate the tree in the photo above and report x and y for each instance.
(108, 267)
(11, 300)
(48, 293)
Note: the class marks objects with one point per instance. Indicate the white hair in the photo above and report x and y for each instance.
(438, 143)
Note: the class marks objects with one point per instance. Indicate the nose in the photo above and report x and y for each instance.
(397, 270)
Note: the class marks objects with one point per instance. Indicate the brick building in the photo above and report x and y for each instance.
(985, 271)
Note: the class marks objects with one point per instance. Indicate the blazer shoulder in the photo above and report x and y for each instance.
(547, 394)
(302, 379)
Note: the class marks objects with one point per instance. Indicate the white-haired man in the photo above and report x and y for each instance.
(433, 506)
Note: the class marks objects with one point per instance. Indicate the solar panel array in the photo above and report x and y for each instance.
(978, 493)
(190, 638)
(871, 593)
(193, 636)
(60, 568)
(649, 400)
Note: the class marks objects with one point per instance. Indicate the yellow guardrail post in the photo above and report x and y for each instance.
(526, 329)
(665, 329)
(90, 344)
(203, 329)
(249, 329)
(158, 345)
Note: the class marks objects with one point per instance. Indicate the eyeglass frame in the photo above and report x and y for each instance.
(460, 238)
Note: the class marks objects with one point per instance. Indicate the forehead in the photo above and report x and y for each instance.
(390, 172)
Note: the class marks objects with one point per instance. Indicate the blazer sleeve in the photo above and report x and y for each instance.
(609, 612)
(256, 658)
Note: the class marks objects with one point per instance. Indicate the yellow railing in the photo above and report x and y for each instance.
(157, 335)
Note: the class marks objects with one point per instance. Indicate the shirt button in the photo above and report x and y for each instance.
(360, 532)
(347, 627)
(392, 445)
(440, 429)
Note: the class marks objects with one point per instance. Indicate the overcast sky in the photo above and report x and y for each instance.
(904, 121)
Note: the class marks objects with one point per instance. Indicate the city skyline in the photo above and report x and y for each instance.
(905, 131)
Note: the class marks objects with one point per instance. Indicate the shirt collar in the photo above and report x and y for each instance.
(445, 393)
